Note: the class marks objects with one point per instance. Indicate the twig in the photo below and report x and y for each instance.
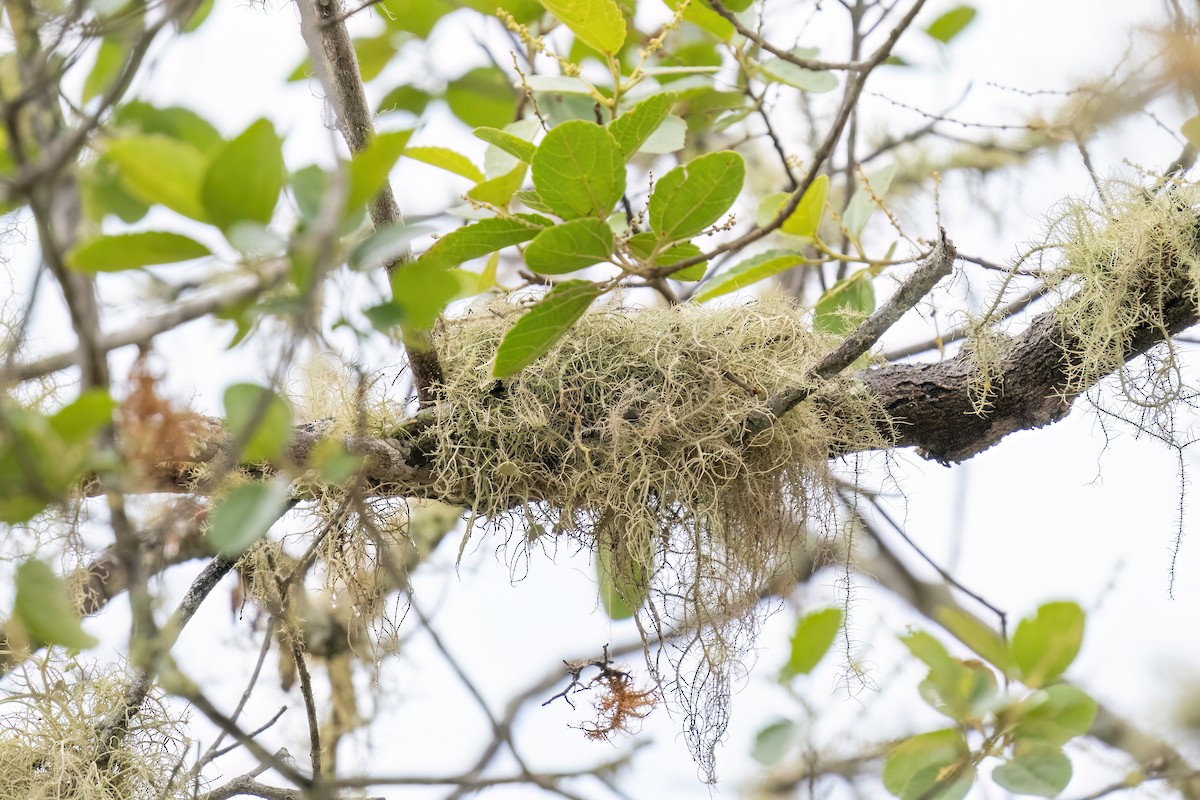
(336, 67)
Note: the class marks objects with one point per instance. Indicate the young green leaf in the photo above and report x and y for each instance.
(483, 237)
(597, 23)
(982, 639)
(811, 640)
(500, 190)
(570, 246)
(543, 325)
(159, 169)
(776, 70)
(1191, 131)
(244, 514)
(133, 250)
(702, 16)
(515, 146)
(447, 159)
(634, 127)
(748, 272)
(385, 246)
(175, 122)
(579, 170)
(1045, 645)
(245, 179)
(45, 610)
(691, 197)
(951, 24)
(845, 304)
(643, 244)
(482, 97)
(259, 419)
(1056, 714)
(624, 570)
(864, 202)
(110, 58)
(369, 168)
(806, 219)
(1042, 771)
(774, 741)
(935, 750)
(405, 98)
(83, 416)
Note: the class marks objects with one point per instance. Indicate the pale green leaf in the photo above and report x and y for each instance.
(624, 568)
(244, 514)
(934, 750)
(776, 70)
(543, 325)
(865, 200)
(260, 421)
(45, 610)
(385, 246)
(176, 122)
(447, 159)
(422, 290)
(669, 137)
(245, 178)
(370, 167)
(811, 640)
(845, 304)
(597, 23)
(952, 23)
(748, 272)
(634, 127)
(570, 246)
(693, 196)
(1045, 645)
(500, 190)
(1191, 131)
(515, 146)
(483, 97)
(774, 741)
(1042, 772)
(110, 58)
(159, 169)
(560, 84)
(133, 250)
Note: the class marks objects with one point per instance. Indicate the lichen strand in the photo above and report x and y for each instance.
(51, 747)
(630, 434)
(1121, 263)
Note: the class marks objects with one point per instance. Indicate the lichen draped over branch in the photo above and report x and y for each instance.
(630, 436)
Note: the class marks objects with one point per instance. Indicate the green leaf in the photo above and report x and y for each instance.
(845, 304)
(198, 17)
(1042, 771)
(811, 640)
(447, 159)
(543, 325)
(669, 137)
(950, 24)
(570, 246)
(532, 200)
(110, 58)
(748, 272)
(1044, 646)
(1191, 131)
(579, 170)
(422, 290)
(102, 194)
(483, 237)
(133, 250)
(482, 98)
(405, 98)
(45, 610)
(927, 751)
(244, 514)
(700, 15)
(385, 247)
(774, 741)
(158, 169)
(937, 783)
(776, 70)
(643, 245)
(370, 167)
(259, 419)
(515, 146)
(331, 461)
(1055, 715)
(177, 123)
(83, 416)
(244, 180)
(982, 639)
(624, 569)
(806, 219)
(634, 127)
(692, 197)
(500, 190)
(561, 84)
(416, 16)
(597, 23)
(863, 203)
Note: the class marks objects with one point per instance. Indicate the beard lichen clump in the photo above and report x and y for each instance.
(630, 436)
(1123, 261)
(52, 746)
